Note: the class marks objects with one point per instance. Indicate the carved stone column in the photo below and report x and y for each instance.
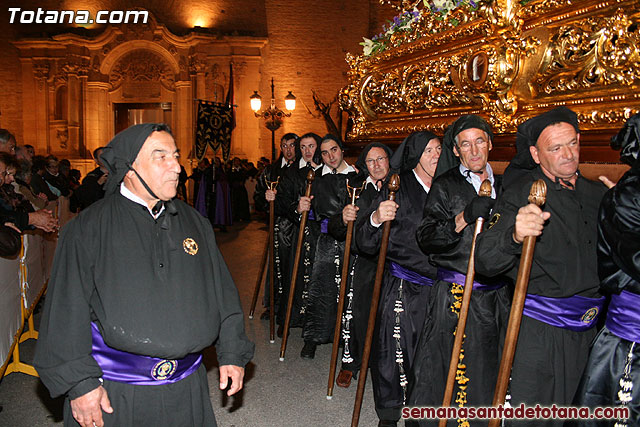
(98, 129)
(184, 116)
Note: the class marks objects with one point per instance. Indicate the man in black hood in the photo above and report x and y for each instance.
(373, 164)
(283, 228)
(138, 289)
(289, 203)
(406, 285)
(563, 300)
(612, 376)
(445, 234)
(329, 196)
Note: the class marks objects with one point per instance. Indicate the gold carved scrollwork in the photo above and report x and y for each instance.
(596, 52)
(142, 66)
(506, 61)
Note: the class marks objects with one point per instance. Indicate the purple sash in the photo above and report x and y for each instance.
(576, 313)
(136, 369)
(324, 226)
(400, 272)
(312, 216)
(459, 278)
(623, 316)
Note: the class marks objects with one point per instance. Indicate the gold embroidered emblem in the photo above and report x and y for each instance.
(190, 246)
(590, 314)
(164, 369)
(494, 219)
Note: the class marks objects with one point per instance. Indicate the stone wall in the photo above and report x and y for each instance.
(307, 43)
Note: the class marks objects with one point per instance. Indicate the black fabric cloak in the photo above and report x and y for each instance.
(388, 375)
(619, 270)
(488, 311)
(164, 304)
(154, 287)
(549, 361)
(293, 186)
(283, 233)
(362, 271)
(330, 197)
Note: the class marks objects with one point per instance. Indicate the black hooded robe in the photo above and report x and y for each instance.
(402, 303)
(154, 287)
(330, 197)
(488, 311)
(618, 249)
(282, 233)
(362, 272)
(293, 186)
(612, 375)
(549, 360)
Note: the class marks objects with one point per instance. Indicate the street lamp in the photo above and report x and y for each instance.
(273, 115)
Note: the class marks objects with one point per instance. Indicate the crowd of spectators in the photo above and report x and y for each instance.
(31, 183)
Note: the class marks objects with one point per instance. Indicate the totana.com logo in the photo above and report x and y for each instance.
(43, 16)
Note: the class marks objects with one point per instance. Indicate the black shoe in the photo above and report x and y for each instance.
(265, 315)
(280, 331)
(309, 350)
(387, 423)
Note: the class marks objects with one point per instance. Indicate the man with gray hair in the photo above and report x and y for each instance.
(129, 310)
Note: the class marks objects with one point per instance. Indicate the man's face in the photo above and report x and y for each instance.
(288, 149)
(430, 155)
(308, 148)
(557, 151)
(331, 153)
(9, 146)
(377, 162)
(473, 146)
(157, 163)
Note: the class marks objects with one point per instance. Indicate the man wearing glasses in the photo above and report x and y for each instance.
(406, 285)
(445, 234)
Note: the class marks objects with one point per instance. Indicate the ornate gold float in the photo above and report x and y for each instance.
(506, 61)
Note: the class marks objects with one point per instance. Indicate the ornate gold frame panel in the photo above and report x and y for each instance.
(507, 62)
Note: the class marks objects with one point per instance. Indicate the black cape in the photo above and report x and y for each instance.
(488, 312)
(330, 197)
(117, 266)
(389, 376)
(293, 186)
(362, 271)
(619, 269)
(548, 361)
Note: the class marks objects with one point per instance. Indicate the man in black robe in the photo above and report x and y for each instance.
(373, 161)
(408, 275)
(138, 289)
(92, 187)
(289, 203)
(612, 375)
(445, 234)
(283, 228)
(329, 197)
(563, 301)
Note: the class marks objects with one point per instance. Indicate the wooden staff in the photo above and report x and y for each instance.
(354, 192)
(296, 264)
(394, 185)
(271, 185)
(256, 289)
(485, 191)
(537, 196)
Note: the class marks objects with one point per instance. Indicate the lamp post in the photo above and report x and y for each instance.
(273, 115)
